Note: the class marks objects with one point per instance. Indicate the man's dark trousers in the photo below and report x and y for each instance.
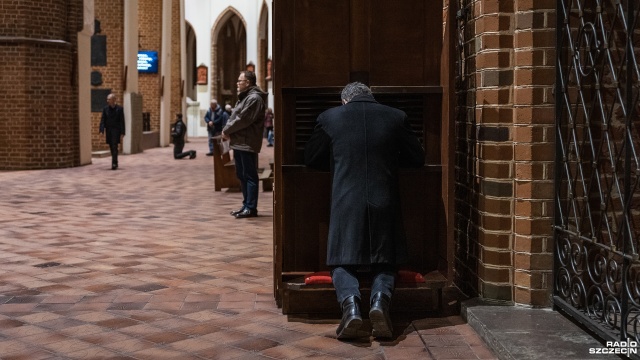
(177, 150)
(346, 283)
(114, 153)
(247, 172)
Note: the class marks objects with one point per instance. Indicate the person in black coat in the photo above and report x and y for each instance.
(364, 143)
(178, 131)
(112, 123)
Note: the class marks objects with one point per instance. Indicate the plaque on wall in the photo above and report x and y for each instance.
(99, 50)
(96, 78)
(202, 74)
(99, 99)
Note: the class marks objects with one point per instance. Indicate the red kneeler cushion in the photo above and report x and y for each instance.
(409, 277)
(320, 277)
(324, 277)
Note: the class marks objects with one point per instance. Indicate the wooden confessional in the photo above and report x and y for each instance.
(319, 47)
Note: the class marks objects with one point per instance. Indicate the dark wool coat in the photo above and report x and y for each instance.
(113, 122)
(365, 143)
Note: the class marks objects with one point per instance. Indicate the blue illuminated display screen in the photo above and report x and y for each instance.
(148, 62)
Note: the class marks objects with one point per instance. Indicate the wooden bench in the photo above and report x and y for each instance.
(266, 177)
(224, 169)
(305, 300)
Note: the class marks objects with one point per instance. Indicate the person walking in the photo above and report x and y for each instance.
(364, 143)
(244, 131)
(112, 124)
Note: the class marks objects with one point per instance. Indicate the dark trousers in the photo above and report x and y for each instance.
(345, 280)
(177, 150)
(113, 147)
(247, 173)
(210, 135)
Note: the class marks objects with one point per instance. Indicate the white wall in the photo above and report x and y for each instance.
(202, 15)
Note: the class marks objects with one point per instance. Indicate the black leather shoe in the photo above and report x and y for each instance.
(114, 166)
(236, 212)
(247, 213)
(351, 319)
(210, 154)
(379, 316)
(192, 155)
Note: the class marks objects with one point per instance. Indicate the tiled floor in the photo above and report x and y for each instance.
(146, 263)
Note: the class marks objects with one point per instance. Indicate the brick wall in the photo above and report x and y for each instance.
(150, 32)
(504, 151)
(111, 17)
(38, 82)
(533, 137)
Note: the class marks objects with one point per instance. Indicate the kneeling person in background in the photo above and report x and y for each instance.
(178, 131)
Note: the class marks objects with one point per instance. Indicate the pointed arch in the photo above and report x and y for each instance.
(191, 65)
(228, 54)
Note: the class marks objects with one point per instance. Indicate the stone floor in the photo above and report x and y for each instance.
(146, 263)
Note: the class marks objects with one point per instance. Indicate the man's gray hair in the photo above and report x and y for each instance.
(354, 89)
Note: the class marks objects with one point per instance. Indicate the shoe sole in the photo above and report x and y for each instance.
(351, 330)
(379, 324)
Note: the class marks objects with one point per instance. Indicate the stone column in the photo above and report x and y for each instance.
(132, 101)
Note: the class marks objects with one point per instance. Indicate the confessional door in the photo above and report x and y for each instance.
(319, 47)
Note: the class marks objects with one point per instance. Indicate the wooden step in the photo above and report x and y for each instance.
(266, 176)
(319, 300)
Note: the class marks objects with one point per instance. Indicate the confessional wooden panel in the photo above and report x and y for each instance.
(320, 46)
(405, 42)
(311, 62)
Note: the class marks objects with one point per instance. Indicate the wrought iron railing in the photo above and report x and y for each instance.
(597, 166)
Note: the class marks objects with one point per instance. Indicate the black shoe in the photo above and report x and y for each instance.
(269, 145)
(379, 316)
(209, 154)
(192, 155)
(351, 319)
(246, 213)
(236, 212)
(114, 166)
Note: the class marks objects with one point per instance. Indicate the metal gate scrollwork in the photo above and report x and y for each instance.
(597, 166)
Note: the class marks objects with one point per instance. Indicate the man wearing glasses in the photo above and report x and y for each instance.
(244, 132)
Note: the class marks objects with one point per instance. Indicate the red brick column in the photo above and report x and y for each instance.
(38, 84)
(176, 75)
(504, 152)
(150, 27)
(111, 17)
(533, 136)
